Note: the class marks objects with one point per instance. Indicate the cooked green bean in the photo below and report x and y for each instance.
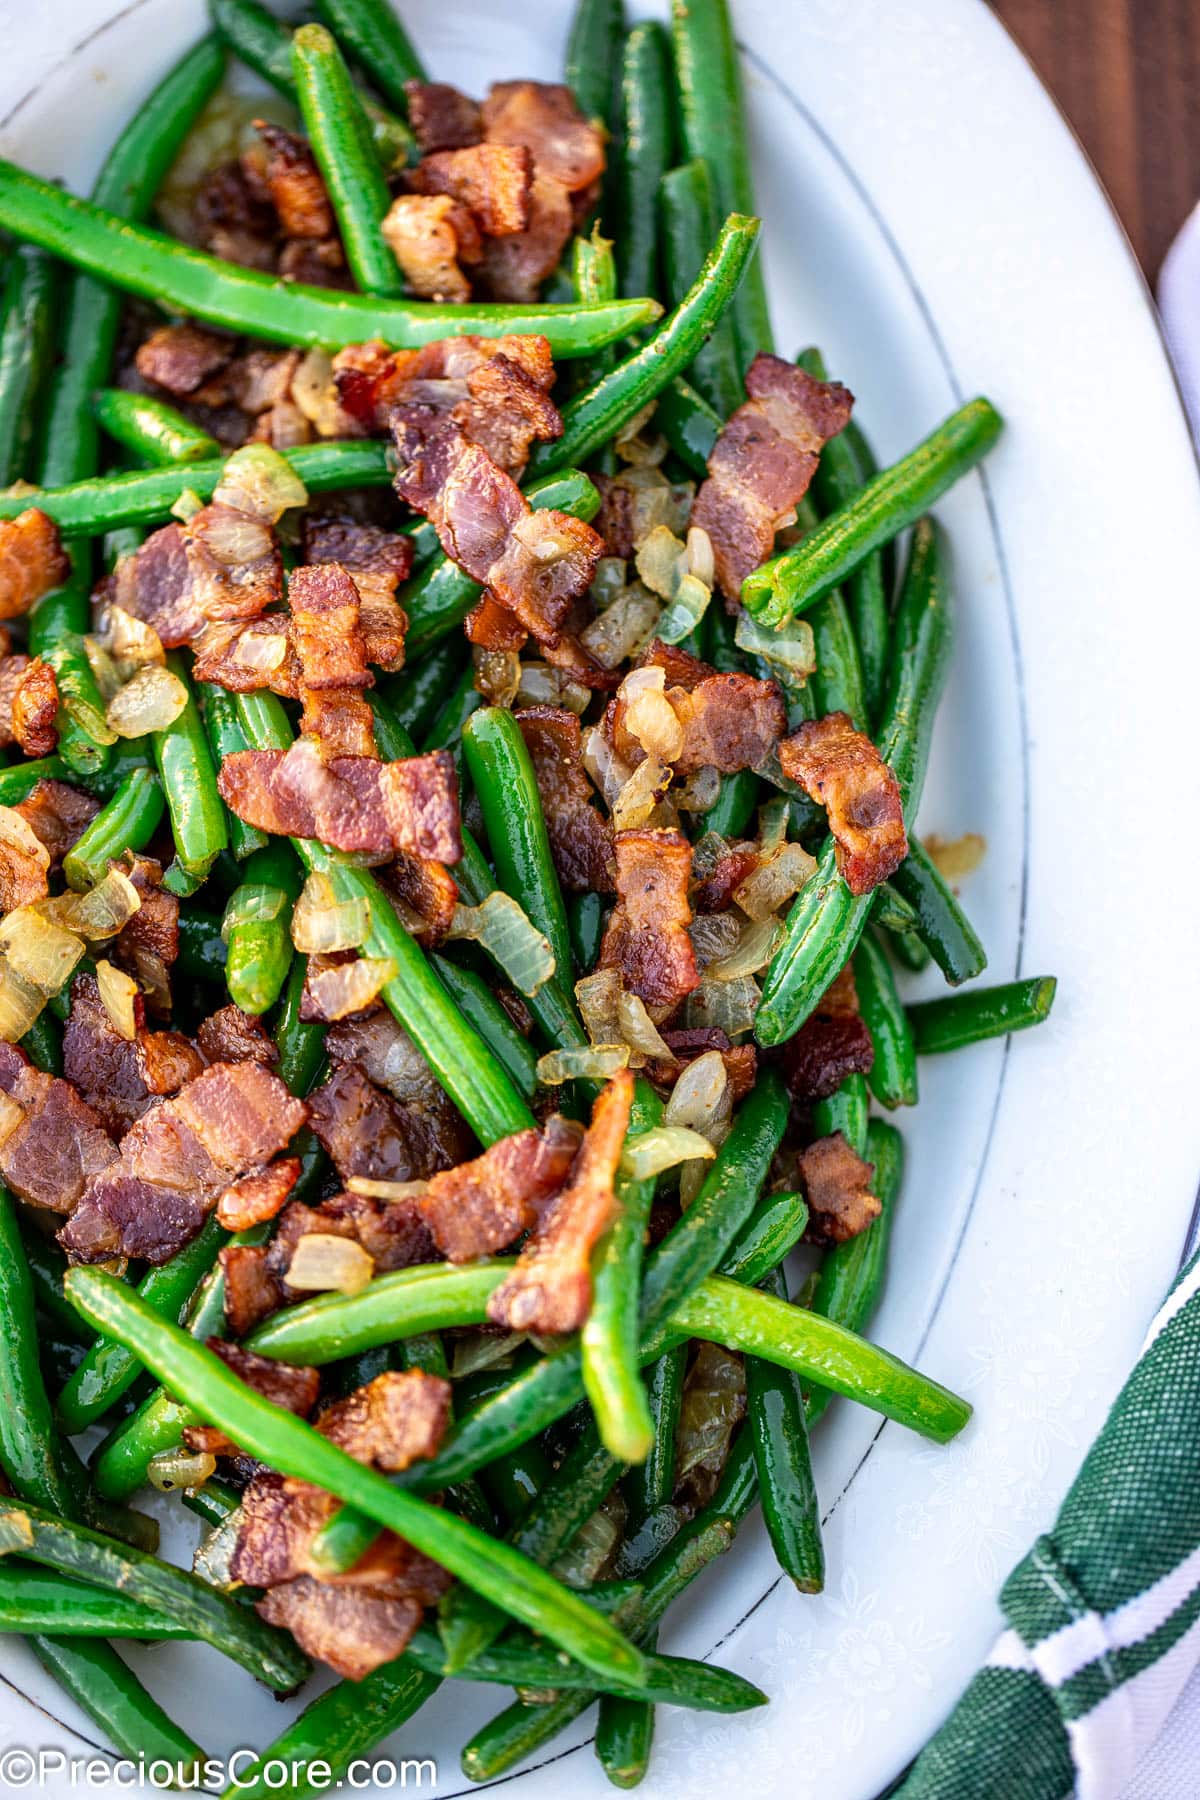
(689, 424)
(889, 503)
(18, 781)
(42, 1044)
(982, 1013)
(375, 38)
(32, 1454)
(608, 1342)
(225, 737)
(481, 1009)
(593, 56)
(689, 218)
(942, 924)
(416, 695)
(36, 1599)
(156, 433)
(258, 928)
(643, 156)
(94, 1676)
(339, 137)
(127, 822)
(189, 784)
(845, 1111)
(26, 352)
(775, 1411)
(201, 947)
(893, 1075)
(463, 699)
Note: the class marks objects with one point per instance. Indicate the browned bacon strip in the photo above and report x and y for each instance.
(222, 564)
(568, 160)
(59, 1146)
(481, 1206)
(550, 1289)
(763, 461)
(371, 1135)
(837, 1186)
(34, 709)
(729, 722)
(394, 1421)
(32, 561)
(580, 836)
(353, 1630)
(841, 769)
(427, 894)
(120, 1080)
(58, 814)
(256, 1198)
(349, 802)
(359, 547)
(496, 390)
(294, 1387)
(182, 358)
(12, 669)
(231, 1035)
(326, 633)
(294, 183)
(833, 1042)
(429, 235)
(442, 118)
(647, 938)
(490, 180)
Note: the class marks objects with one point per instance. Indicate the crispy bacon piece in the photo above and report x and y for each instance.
(353, 1630)
(428, 234)
(514, 267)
(545, 118)
(262, 378)
(359, 547)
(580, 836)
(294, 183)
(178, 1159)
(256, 1198)
(370, 1134)
(233, 218)
(741, 1060)
(386, 1054)
(441, 117)
(326, 634)
(340, 721)
(492, 627)
(58, 814)
(479, 1207)
(119, 1079)
(251, 1291)
(221, 564)
(733, 866)
(841, 769)
(550, 1289)
(12, 669)
(833, 1042)
(182, 358)
(397, 1419)
(149, 943)
(763, 461)
(24, 866)
(729, 721)
(59, 1146)
(35, 708)
(837, 1186)
(491, 180)
(32, 561)
(428, 895)
(350, 802)
(232, 1036)
(294, 1387)
(646, 937)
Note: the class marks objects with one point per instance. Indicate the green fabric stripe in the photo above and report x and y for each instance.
(1086, 1689)
(1004, 1741)
(1041, 1595)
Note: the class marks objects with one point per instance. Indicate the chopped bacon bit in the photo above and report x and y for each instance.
(368, 1132)
(735, 863)
(251, 1290)
(386, 1055)
(12, 669)
(741, 1060)
(120, 1080)
(763, 461)
(318, 262)
(545, 118)
(491, 180)
(59, 1146)
(580, 837)
(441, 117)
(480, 1207)
(221, 565)
(35, 708)
(729, 722)
(837, 1186)
(492, 627)
(680, 667)
(833, 1042)
(59, 815)
(178, 1159)
(421, 235)
(295, 185)
(550, 1289)
(294, 1387)
(394, 1421)
(32, 561)
(338, 538)
(341, 721)
(256, 1198)
(149, 943)
(233, 219)
(515, 267)
(233, 1036)
(842, 770)
(353, 1630)
(349, 802)
(646, 937)
(325, 627)
(182, 358)
(429, 893)
(262, 378)
(24, 865)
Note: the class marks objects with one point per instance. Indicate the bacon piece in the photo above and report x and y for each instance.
(833, 1042)
(182, 358)
(294, 183)
(340, 721)
(256, 1198)
(420, 233)
(12, 669)
(35, 708)
(387, 1055)
(318, 262)
(428, 892)
(59, 1146)
(32, 561)
(841, 769)
(646, 937)
(479, 1207)
(293, 1386)
(397, 1419)
(178, 1159)
(370, 1134)
(729, 722)
(233, 1036)
(514, 267)
(837, 1186)
(149, 943)
(351, 1629)
(741, 1060)
(251, 1290)
(550, 1289)
(332, 654)
(232, 218)
(545, 118)
(733, 866)
(24, 864)
(441, 117)
(262, 378)
(763, 461)
(349, 802)
(359, 547)
(121, 1079)
(221, 564)
(491, 180)
(58, 814)
(580, 837)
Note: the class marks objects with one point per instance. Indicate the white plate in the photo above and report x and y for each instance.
(932, 224)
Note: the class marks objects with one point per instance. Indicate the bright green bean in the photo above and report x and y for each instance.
(225, 737)
(644, 156)
(127, 822)
(375, 38)
(26, 351)
(481, 1009)
(260, 949)
(942, 925)
(893, 1075)
(189, 784)
(689, 218)
(593, 56)
(155, 432)
(981, 1013)
(845, 1111)
(779, 1434)
(608, 1342)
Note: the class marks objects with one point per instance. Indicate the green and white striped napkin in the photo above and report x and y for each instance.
(1104, 1612)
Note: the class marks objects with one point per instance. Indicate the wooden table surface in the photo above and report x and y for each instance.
(1127, 75)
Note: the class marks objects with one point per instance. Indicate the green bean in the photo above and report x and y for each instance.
(181, 279)
(893, 1075)
(888, 504)
(189, 783)
(827, 920)
(594, 274)
(19, 781)
(644, 156)
(590, 420)
(211, 1615)
(688, 217)
(201, 947)
(37, 1600)
(32, 1454)
(689, 424)
(127, 822)
(294, 1448)
(943, 926)
(26, 352)
(226, 737)
(94, 1676)
(989, 1012)
(42, 1044)
(513, 1482)
(836, 684)
(481, 1009)
(908, 950)
(375, 38)
(585, 922)
(845, 1111)
(213, 1502)
(440, 597)
(713, 125)
(416, 695)
(892, 914)
(463, 699)
(608, 1342)
(851, 1276)
(47, 1265)
(624, 1736)
(652, 1483)
(775, 1410)
(340, 140)
(260, 948)
(155, 432)
(593, 56)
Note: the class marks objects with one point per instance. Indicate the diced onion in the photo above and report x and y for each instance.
(596, 1063)
(107, 907)
(385, 1190)
(700, 1097)
(608, 581)
(37, 950)
(591, 1548)
(187, 506)
(597, 997)
(658, 558)
(349, 987)
(621, 630)
(752, 952)
(213, 1560)
(679, 573)
(321, 923)
(542, 685)
(130, 641)
(103, 665)
(729, 1006)
(608, 771)
(315, 393)
(700, 792)
(645, 790)
(714, 1402)
(322, 1262)
(173, 1469)
(151, 701)
(638, 1030)
(118, 992)
(772, 884)
(257, 480)
(255, 903)
(649, 716)
(773, 824)
(11, 1115)
(790, 652)
(262, 651)
(713, 936)
(20, 1004)
(497, 675)
(505, 931)
(664, 1147)
(235, 538)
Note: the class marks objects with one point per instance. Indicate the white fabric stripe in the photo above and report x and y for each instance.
(1008, 1652)
(1073, 1646)
(1173, 1304)
(1108, 1743)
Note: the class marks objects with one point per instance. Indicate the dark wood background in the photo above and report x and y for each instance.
(1127, 75)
